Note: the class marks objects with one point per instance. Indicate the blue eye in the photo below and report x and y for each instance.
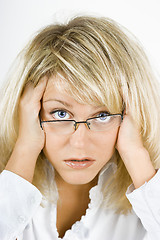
(103, 116)
(60, 114)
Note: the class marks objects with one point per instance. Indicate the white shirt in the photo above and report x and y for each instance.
(23, 218)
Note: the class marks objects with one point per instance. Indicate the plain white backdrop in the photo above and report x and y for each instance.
(20, 19)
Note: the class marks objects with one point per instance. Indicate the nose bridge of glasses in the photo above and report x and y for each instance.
(76, 124)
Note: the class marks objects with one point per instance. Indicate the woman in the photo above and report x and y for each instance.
(79, 124)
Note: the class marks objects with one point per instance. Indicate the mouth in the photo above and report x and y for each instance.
(79, 163)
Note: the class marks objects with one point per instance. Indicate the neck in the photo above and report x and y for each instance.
(72, 203)
(72, 190)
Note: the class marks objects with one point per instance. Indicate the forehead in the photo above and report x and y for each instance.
(58, 87)
(65, 89)
(56, 93)
(55, 85)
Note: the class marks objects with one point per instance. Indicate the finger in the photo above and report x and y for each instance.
(34, 93)
(28, 87)
(27, 94)
(125, 96)
(40, 88)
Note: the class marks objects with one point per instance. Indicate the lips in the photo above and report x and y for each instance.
(79, 163)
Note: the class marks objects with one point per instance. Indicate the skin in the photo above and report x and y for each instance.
(82, 143)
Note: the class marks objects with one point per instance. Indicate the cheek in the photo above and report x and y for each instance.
(53, 145)
(106, 143)
(101, 146)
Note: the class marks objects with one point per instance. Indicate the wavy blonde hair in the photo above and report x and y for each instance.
(100, 61)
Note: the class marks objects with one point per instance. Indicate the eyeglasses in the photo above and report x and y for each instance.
(96, 124)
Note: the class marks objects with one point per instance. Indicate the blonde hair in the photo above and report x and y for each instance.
(100, 61)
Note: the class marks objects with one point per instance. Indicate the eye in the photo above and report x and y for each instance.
(103, 116)
(60, 115)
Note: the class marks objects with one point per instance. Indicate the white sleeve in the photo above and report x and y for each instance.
(19, 200)
(146, 204)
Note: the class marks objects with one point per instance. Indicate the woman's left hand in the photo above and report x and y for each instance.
(133, 153)
(129, 137)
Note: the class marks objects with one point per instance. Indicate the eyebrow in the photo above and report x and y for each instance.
(58, 100)
(66, 103)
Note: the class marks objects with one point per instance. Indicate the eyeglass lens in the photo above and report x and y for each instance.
(96, 124)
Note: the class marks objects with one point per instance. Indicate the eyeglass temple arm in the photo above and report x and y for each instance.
(40, 121)
(123, 112)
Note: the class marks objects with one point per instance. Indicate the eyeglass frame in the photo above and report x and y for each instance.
(76, 124)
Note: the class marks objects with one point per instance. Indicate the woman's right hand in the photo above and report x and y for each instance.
(31, 137)
(30, 132)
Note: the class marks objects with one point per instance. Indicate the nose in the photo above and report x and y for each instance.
(80, 137)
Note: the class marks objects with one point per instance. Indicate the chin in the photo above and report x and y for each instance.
(78, 177)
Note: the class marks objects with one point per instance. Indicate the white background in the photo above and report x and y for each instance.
(20, 19)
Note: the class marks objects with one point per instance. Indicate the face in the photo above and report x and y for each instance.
(77, 157)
